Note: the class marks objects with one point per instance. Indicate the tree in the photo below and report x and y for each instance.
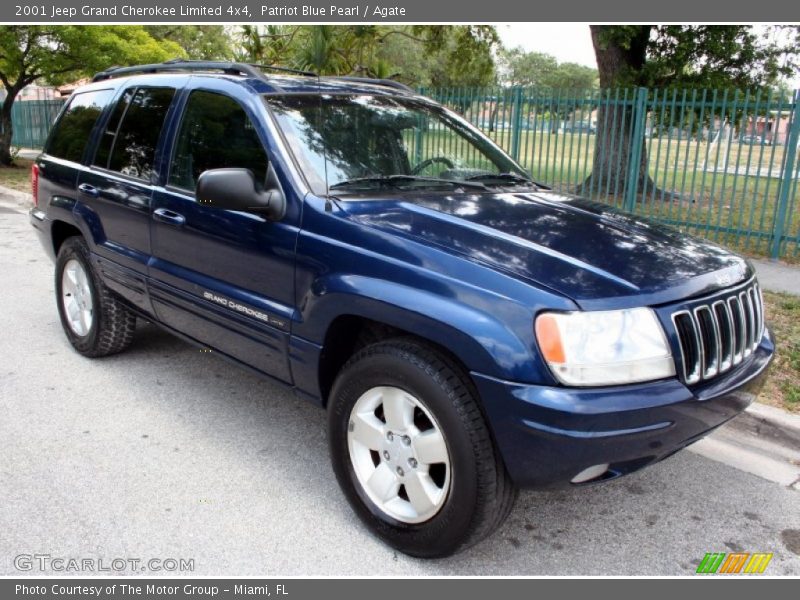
(729, 56)
(201, 42)
(538, 69)
(573, 76)
(528, 69)
(270, 45)
(464, 54)
(417, 55)
(63, 53)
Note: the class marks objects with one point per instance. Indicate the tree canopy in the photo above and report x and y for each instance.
(721, 56)
(56, 54)
(419, 55)
(537, 69)
(201, 42)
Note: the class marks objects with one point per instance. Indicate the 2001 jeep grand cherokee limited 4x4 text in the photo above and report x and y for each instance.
(469, 331)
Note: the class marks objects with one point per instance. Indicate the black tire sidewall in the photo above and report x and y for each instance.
(75, 248)
(446, 531)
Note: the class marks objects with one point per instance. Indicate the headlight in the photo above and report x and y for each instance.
(604, 347)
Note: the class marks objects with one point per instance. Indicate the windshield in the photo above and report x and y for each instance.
(356, 143)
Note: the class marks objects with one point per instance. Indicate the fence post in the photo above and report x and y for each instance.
(787, 175)
(419, 134)
(516, 122)
(639, 116)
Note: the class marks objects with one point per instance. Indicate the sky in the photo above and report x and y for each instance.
(568, 42)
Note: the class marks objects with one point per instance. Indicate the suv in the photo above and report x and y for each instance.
(469, 331)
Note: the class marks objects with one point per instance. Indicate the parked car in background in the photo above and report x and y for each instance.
(578, 127)
(755, 140)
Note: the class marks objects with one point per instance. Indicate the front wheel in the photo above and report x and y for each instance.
(412, 451)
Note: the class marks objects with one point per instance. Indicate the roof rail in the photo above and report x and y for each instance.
(382, 82)
(177, 64)
(236, 68)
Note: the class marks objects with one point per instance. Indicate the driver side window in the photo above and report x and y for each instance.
(215, 133)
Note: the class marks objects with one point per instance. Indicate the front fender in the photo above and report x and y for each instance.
(480, 314)
(494, 338)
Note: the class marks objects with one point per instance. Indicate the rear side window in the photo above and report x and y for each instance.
(71, 133)
(110, 132)
(215, 133)
(133, 148)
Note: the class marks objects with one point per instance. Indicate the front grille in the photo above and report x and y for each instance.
(716, 336)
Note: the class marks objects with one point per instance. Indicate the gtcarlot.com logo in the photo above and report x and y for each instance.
(61, 564)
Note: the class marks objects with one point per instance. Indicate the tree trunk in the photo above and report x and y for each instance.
(612, 155)
(7, 127)
(493, 115)
(6, 131)
(620, 61)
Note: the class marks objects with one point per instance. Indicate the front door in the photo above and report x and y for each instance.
(225, 278)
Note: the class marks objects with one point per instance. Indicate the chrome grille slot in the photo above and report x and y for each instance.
(717, 335)
(749, 322)
(722, 314)
(758, 308)
(738, 329)
(690, 345)
(709, 339)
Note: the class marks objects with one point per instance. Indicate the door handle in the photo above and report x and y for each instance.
(169, 217)
(89, 190)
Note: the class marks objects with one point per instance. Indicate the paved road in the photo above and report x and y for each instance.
(167, 452)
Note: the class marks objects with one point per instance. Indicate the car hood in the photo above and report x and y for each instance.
(579, 248)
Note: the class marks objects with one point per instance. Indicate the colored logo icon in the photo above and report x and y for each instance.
(720, 563)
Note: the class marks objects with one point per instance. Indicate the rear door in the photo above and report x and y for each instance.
(117, 187)
(65, 151)
(225, 278)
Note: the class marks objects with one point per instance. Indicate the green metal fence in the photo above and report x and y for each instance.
(720, 164)
(32, 120)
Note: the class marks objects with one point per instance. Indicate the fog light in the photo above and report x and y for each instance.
(590, 473)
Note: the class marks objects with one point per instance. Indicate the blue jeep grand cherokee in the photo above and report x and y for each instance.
(469, 331)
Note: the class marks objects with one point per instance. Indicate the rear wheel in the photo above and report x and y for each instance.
(412, 451)
(94, 320)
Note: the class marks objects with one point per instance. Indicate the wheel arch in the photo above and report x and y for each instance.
(348, 333)
(60, 231)
(340, 321)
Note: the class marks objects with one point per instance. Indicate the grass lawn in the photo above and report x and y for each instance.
(782, 388)
(17, 177)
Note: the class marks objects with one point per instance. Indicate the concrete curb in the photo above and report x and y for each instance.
(21, 199)
(770, 423)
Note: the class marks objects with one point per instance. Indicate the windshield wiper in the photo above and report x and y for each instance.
(489, 178)
(397, 180)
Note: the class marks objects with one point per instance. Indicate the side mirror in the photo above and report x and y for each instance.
(237, 189)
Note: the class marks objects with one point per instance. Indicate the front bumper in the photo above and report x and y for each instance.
(547, 435)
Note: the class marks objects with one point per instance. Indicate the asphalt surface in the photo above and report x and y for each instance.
(168, 452)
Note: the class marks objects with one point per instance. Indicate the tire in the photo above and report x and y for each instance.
(99, 325)
(471, 494)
